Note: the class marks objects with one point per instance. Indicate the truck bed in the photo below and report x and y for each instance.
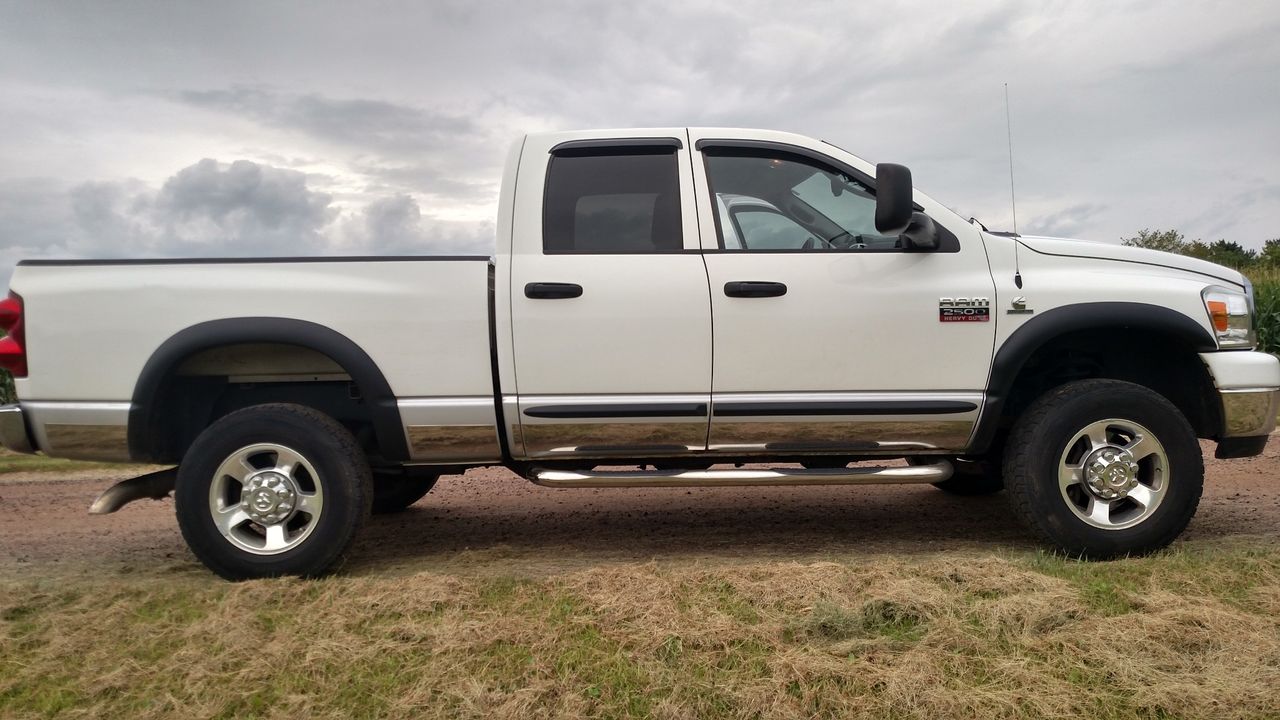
(423, 320)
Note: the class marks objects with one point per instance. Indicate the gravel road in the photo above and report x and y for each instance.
(494, 518)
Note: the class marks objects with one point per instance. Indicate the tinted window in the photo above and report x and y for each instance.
(793, 204)
(619, 203)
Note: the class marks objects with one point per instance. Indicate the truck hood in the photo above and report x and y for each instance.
(1108, 251)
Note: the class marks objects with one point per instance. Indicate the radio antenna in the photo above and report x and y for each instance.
(1013, 198)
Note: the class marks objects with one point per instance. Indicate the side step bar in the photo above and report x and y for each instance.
(737, 477)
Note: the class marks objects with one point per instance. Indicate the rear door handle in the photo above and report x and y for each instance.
(552, 290)
(754, 289)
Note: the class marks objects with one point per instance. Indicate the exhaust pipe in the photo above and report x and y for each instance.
(156, 485)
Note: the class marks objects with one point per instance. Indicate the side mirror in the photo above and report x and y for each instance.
(895, 209)
(893, 198)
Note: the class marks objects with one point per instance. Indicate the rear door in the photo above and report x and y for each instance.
(609, 300)
(829, 337)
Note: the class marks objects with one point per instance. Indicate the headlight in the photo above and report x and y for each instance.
(1230, 316)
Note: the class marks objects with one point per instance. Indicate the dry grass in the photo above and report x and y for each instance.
(1190, 633)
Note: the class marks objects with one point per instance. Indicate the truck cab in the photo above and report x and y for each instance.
(728, 293)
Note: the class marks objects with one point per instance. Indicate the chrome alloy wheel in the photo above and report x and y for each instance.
(265, 498)
(1113, 474)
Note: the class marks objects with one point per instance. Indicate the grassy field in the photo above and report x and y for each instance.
(1266, 287)
(1190, 633)
(11, 462)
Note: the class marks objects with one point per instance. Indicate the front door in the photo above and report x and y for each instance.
(609, 301)
(828, 336)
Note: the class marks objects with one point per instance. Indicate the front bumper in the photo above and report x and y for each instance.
(1248, 413)
(1248, 386)
(13, 430)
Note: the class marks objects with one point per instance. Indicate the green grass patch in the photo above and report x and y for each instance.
(11, 462)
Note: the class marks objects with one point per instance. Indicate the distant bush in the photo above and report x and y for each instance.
(7, 394)
(1266, 293)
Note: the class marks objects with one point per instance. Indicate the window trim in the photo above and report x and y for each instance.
(610, 146)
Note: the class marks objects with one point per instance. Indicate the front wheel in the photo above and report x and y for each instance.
(275, 489)
(1104, 468)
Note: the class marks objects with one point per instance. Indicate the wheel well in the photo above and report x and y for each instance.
(212, 383)
(214, 368)
(1165, 365)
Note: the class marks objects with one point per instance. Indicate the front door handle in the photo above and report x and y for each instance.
(754, 289)
(552, 290)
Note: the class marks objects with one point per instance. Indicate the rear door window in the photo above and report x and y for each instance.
(626, 201)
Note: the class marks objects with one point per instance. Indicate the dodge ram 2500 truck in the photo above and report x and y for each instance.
(666, 307)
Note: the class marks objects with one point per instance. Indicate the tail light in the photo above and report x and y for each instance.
(13, 346)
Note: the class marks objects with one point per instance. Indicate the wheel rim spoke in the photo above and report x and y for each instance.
(1100, 511)
(1142, 495)
(1141, 447)
(238, 467)
(277, 537)
(230, 519)
(310, 503)
(1069, 475)
(287, 461)
(1097, 434)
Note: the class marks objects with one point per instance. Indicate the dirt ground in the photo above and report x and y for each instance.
(495, 519)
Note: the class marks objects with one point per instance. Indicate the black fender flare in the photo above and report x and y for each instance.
(1044, 327)
(143, 418)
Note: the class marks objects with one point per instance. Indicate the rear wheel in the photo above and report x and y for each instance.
(1102, 468)
(275, 489)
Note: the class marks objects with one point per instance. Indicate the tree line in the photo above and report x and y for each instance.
(1231, 254)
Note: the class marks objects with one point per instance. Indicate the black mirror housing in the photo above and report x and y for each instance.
(894, 205)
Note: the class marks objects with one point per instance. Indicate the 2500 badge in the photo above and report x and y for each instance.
(963, 309)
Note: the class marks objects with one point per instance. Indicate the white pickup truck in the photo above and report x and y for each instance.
(667, 307)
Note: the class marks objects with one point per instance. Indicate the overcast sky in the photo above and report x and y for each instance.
(264, 128)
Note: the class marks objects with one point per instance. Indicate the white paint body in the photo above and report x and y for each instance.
(654, 330)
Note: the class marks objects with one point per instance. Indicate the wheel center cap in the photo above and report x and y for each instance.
(268, 497)
(1111, 472)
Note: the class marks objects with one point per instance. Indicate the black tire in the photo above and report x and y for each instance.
(395, 492)
(1039, 440)
(341, 472)
(970, 478)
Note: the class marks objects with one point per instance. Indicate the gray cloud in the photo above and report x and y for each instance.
(375, 124)
(395, 225)
(398, 146)
(1067, 222)
(213, 209)
(243, 208)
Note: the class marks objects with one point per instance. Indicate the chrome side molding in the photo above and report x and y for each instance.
(740, 477)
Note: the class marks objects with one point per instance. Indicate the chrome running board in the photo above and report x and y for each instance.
(156, 485)
(739, 477)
